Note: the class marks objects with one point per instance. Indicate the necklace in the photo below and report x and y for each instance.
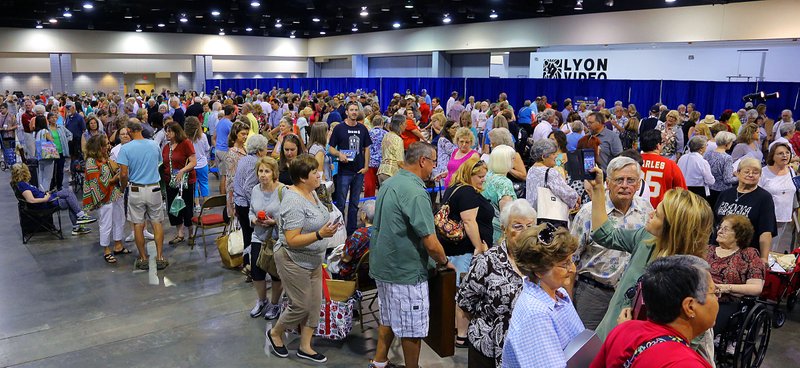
(739, 195)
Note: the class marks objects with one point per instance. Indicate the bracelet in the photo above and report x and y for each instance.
(319, 237)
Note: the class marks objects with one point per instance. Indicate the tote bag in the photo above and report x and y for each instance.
(235, 240)
(548, 205)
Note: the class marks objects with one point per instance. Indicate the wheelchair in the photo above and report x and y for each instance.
(744, 340)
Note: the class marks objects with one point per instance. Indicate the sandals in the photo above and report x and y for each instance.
(461, 342)
(123, 251)
(177, 240)
(110, 258)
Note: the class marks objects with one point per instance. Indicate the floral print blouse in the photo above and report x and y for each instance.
(488, 293)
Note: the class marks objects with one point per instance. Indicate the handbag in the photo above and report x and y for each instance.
(519, 187)
(266, 258)
(548, 205)
(228, 260)
(235, 240)
(336, 308)
(448, 228)
(45, 149)
(174, 181)
(177, 204)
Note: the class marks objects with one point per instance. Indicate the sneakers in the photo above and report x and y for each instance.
(147, 236)
(258, 308)
(161, 264)
(83, 220)
(280, 351)
(388, 364)
(272, 311)
(141, 264)
(80, 230)
(319, 358)
(197, 209)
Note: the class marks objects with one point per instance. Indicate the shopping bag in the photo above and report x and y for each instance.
(178, 204)
(228, 260)
(548, 206)
(235, 240)
(336, 308)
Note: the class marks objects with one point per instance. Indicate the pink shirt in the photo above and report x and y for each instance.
(454, 164)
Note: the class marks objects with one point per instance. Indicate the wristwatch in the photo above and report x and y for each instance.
(319, 237)
(443, 265)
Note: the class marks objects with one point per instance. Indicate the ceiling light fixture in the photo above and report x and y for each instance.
(53, 20)
(278, 23)
(669, 1)
(396, 25)
(215, 13)
(183, 18)
(291, 35)
(161, 25)
(222, 31)
(547, 2)
(355, 28)
(315, 20)
(248, 29)
(579, 5)
(409, 5)
(39, 25)
(364, 11)
(88, 6)
(255, 4)
(128, 14)
(446, 18)
(493, 15)
(609, 2)
(138, 28)
(322, 32)
(541, 8)
(67, 13)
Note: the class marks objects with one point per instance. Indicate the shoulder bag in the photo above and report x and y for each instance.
(548, 205)
(446, 227)
(45, 149)
(223, 242)
(174, 181)
(266, 258)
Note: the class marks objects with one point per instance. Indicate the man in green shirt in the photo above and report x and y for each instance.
(400, 255)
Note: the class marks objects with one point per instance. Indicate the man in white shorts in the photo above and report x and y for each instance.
(138, 161)
(400, 256)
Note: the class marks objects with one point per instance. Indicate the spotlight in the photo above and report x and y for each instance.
(396, 24)
(215, 13)
(364, 11)
(291, 35)
(609, 2)
(579, 5)
(493, 15)
(53, 20)
(248, 29)
(669, 1)
(322, 32)
(315, 20)
(255, 4)
(67, 13)
(409, 5)
(138, 28)
(88, 6)
(278, 23)
(221, 31)
(39, 25)
(355, 28)
(128, 14)
(754, 96)
(183, 18)
(541, 8)
(772, 95)
(161, 25)
(446, 18)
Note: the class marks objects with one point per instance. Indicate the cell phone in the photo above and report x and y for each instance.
(337, 220)
(588, 164)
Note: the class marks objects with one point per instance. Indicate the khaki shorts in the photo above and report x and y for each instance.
(220, 160)
(145, 203)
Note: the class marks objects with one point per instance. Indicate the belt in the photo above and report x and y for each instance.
(595, 283)
(143, 185)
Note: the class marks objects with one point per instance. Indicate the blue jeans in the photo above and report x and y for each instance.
(354, 183)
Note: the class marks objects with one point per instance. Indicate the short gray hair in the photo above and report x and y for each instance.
(748, 161)
(517, 208)
(668, 280)
(724, 138)
(547, 114)
(368, 208)
(397, 124)
(416, 151)
(577, 126)
(255, 143)
(785, 129)
(542, 148)
(39, 109)
(751, 114)
(621, 162)
(501, 136)
(697, 143)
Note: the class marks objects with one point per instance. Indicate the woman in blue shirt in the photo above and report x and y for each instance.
(544, 320)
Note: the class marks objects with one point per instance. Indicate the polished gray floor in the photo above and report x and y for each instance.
(61, 305)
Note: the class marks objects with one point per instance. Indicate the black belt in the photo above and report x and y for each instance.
(143, 185)
(595, 283)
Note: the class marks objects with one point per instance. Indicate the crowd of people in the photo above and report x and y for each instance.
(694, 203)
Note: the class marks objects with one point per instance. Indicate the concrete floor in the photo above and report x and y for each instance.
(61, 305)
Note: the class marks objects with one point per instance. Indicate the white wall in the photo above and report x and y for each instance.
(26, 82)
(25, 63)
(400, 66)
(290, 66)
(776, 19)
(336, 68)
(683, 63)
(90, 82)
(130, 64)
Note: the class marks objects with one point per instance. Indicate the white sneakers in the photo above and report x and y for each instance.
(147, 236)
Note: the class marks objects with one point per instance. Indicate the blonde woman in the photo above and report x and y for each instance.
(747, 143)
(392, 150)
(464, 140)
(660, 237)
(498, 188)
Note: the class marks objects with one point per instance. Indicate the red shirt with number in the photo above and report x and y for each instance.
(661, 174)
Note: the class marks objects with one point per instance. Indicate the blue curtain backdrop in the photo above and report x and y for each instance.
(709, 97)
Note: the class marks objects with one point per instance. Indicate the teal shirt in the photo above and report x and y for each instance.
(495, 188)
(639, 243)
(403, 216)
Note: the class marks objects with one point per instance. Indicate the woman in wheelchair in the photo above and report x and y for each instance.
(65, 199)
(736, 267)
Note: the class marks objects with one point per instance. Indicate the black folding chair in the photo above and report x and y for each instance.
(33, 219)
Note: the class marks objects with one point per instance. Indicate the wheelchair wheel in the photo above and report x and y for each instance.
(753, 338)
(778, 318)
(790, 301)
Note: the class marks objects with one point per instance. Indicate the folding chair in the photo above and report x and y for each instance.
(365, 284)
(33, 219)
(209, 220)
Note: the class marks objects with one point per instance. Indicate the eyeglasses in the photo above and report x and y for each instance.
(567, 265)
(434, 161)
(626, 181)
(750, 172)
(522, 227)
(725, 229)
(717, 292)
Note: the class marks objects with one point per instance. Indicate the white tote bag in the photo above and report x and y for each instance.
(235, 239)
(548, 205)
